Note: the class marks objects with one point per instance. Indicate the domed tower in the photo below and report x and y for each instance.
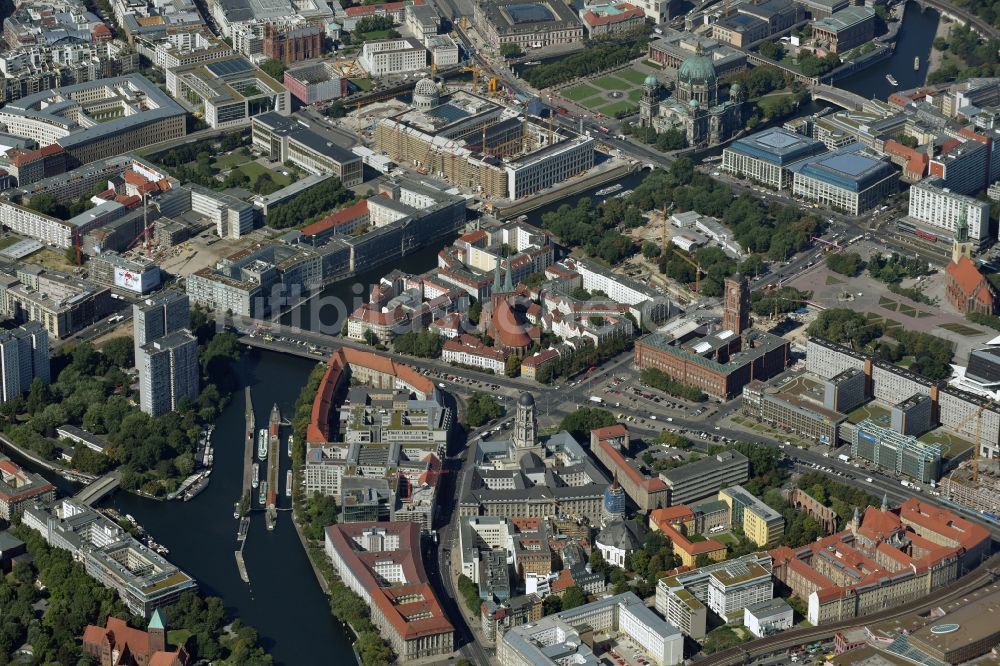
(613, 506)
(426, 95)
(649, 105)
(697, 79)
(525, 436)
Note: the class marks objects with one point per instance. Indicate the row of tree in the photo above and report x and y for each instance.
(319, 199)
(661, 381)
(585, 356)
(596, 57)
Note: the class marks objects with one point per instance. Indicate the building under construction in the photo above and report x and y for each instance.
(979, 494)
(476, 143)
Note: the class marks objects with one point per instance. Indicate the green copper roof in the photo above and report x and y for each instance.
(697, 68)
(651, 81)
(157, 621)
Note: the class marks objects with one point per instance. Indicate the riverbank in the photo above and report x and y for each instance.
(936, 58)
(65, 472)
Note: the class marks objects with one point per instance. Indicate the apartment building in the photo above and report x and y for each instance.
(392, 56)
(169, 372)
(761, 524)
(935, 205)
(24, 355)
(158, 316)
(706, 477)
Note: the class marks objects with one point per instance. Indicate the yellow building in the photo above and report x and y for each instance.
(761, 524)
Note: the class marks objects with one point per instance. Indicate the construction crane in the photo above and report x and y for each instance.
(979, 434)
(475, 76)
(697, 270)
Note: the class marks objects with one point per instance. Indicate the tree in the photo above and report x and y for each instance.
(650, 250)
(120, 352)
(845, 263)
(908, 141)
(573, 597)
(845, 325)
(512, 367)
(274, 68)
(510, 50)
(481, 409)
(425, 344)
(772, 50)
(370, 337)
(584, 419)
(659, 380)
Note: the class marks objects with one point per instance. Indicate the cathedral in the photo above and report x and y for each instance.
(695, 107)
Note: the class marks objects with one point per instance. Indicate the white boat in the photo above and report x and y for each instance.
(262, 497)
(288, 483)
(255, 479)
(262, 443)
(891, 79)
(611, 189)
(291, 440)
(916, 63)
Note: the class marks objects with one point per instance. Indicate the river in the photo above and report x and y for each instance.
(915, 41)
(283, 601)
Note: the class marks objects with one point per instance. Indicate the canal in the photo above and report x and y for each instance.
(283, 601)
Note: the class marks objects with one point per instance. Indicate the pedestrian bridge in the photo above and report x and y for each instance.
(99, 488)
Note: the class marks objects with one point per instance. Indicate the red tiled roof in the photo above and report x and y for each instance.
(473, 345)
(411, 608)
(509, 331)
(949, 145)
(628, 12)
(371, 10)
(942, 522)
(916, 160)
(338, 218)
(968, 278)
(541, 358)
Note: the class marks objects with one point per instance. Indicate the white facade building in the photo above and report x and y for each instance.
(392, 56)
(24, 355)
(937, 206)
(767, 617)
(168, 372)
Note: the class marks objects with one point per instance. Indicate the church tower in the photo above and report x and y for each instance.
(736, 313)
(649, 104)
(157, 631)
(525, 436)
(961, 246)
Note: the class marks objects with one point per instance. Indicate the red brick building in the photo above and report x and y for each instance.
(288, 46)
(118, 644)
(967, 289)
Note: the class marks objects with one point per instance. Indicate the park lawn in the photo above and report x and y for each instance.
(961, 329)
(580, 92)
(612, 83)
(177, 636)
(611, 110)
(652, 63)
(252, 170)
(363, 84)
(632, 75)
(594, 103)
(223, 162)
(634, 95)
(375, 34)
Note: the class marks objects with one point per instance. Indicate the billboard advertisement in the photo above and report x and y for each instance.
(135, 281)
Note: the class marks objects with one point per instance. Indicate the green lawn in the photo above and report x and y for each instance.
(952, 446)
(580, 92)
(594, 103)
(907, 310)
(363, 84)
(886, 301)
(611, 83)
(890, 306)
(830, 280)
(375, 34)
(617, 107)
(961, 329)
(632, 75)
(252, 170)
(8, 241)
(726, 538)
(634, 95)
(652, 63)
(224, 162)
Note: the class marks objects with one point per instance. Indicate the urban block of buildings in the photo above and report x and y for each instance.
(382, 563)
(528, 476)
(143, 580)
(476, 143)
(24, 356)
(726, 588)
(534, 25)
(20, 488)
(885, 558)
(573, 636)
(98, 119)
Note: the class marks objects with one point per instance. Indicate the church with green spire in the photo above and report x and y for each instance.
(966, 288)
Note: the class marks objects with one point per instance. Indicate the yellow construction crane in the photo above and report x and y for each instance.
(697, 270)
(475, 76)
(979, 433)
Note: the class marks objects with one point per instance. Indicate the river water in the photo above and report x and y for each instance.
(283, 600)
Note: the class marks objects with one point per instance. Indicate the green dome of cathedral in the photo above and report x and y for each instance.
(697, 69)
(651, 81)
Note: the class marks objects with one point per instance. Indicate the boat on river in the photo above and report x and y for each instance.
(891, 79)
(255, 478)
(262, 443)
(611, 189)
(916, 63)
(288, 483)
(263, 492)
